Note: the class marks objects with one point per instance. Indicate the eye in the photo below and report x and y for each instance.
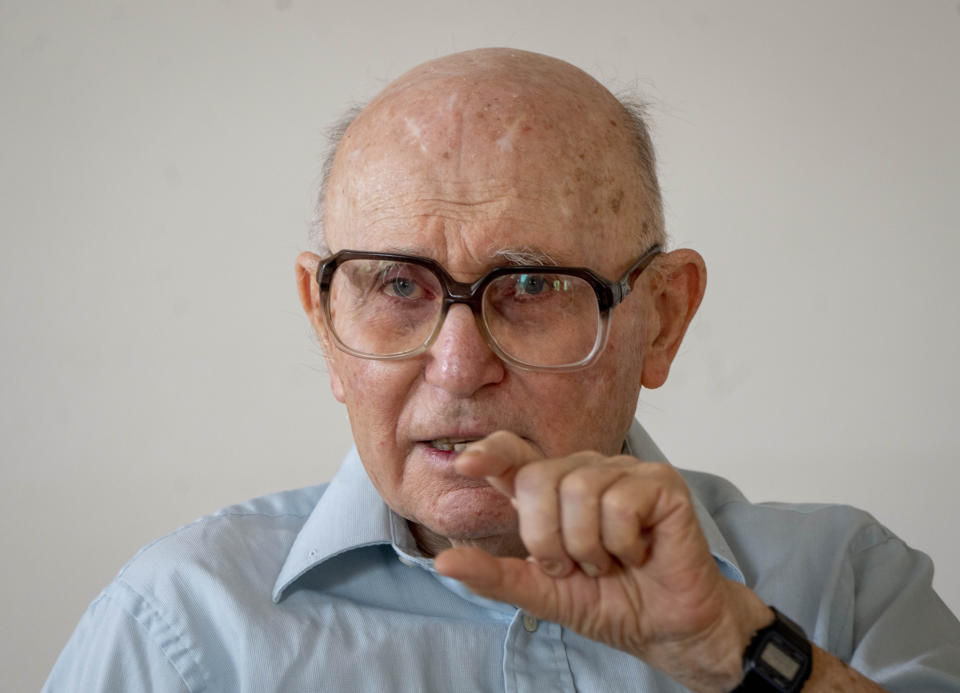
(531, 284)
(405, 282)
(402, 287)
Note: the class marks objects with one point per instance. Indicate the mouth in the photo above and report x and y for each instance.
(450, 444)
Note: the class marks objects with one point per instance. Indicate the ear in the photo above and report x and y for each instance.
(678, 282)
(309, 290)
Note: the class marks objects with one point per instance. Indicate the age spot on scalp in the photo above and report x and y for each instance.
(616, 201)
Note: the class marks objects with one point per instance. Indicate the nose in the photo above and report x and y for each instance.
(460, 360)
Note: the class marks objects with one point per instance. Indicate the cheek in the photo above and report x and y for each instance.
(374, 393)
(621, 376)
(616, 388)
(585, 410)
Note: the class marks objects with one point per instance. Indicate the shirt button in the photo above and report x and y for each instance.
(407, 562)
(529, 622)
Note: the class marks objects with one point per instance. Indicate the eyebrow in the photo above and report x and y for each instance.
(525, 256)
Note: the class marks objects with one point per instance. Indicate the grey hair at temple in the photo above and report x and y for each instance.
(635, 116)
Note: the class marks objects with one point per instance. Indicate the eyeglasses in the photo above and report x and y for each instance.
(390, 306)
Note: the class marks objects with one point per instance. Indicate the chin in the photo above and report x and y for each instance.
(472, 514)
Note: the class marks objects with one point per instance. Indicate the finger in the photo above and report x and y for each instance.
(620, 530)
(536, 488)
(652, 497)
(580, 494)
(510, 580)
(497, 459)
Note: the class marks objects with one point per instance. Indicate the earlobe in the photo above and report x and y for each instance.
(678, 289)
(336, 385)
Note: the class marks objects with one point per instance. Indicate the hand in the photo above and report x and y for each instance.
(617, 555)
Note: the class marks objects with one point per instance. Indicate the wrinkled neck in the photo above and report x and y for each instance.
(431, 543)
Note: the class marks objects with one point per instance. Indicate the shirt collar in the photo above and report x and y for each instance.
(351, 515)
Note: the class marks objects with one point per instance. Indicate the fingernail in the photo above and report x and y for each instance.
(590, 569)
(553, 568)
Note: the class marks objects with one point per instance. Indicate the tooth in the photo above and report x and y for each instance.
(449, 445)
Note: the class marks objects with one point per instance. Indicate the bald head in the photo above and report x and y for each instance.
(522, 73)
(490, 123)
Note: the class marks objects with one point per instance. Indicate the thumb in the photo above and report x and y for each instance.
(497, 458)
(511, 580)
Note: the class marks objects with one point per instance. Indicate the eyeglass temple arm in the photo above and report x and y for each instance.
(622, 288)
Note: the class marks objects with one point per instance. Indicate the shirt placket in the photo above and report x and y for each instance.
(534, 657)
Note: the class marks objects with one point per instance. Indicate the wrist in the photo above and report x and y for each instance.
(749, 615)
(714, 663)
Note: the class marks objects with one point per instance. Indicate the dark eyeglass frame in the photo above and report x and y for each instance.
(609, 295)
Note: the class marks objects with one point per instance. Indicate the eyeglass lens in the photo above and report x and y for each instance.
(388, 308)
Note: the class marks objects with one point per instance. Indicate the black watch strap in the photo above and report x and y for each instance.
(777, 660)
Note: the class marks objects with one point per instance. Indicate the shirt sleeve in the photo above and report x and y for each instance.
(906, 637)
(121, 644)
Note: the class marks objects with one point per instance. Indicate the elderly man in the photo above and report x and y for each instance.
(491, 293)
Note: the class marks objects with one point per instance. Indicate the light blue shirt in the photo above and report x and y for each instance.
(324, 589)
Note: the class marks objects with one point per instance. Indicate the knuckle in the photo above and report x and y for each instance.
(673, 483)
(585, 457)
(664, 473)
(618, 504)
(577, 487)
(625, 461)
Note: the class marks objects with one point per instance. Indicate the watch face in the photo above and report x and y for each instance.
(779, 660)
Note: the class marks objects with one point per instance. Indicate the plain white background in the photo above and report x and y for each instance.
(157, 168)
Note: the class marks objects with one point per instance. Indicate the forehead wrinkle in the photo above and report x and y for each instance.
(449, 188)
(501, 257)
(485, 200)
